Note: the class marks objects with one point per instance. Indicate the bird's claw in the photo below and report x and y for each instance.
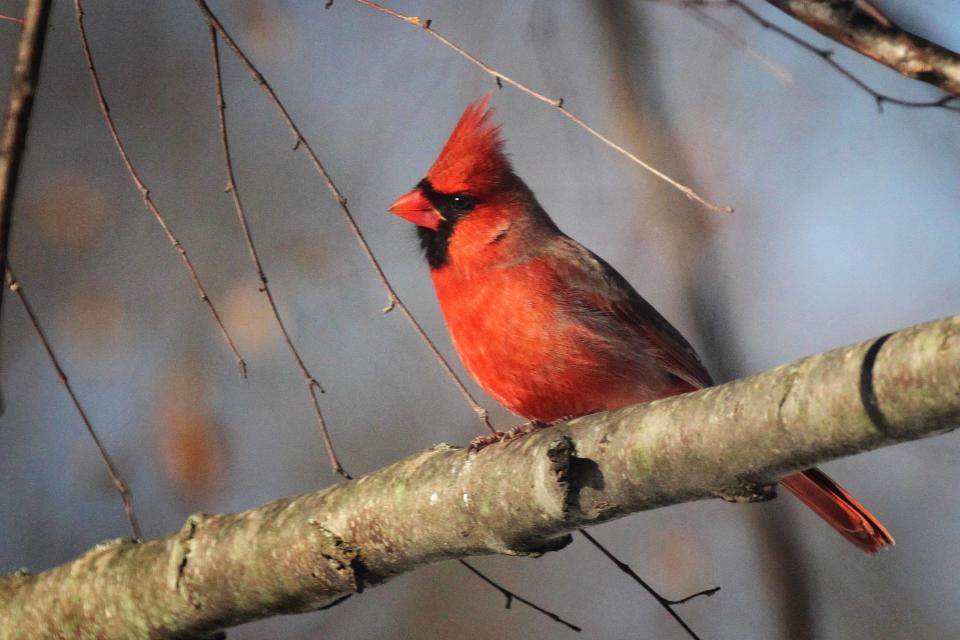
(525, 428)
(481, 442)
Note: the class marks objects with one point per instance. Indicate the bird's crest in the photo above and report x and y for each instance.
(473, 159)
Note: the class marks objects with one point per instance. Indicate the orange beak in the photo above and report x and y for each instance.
(416, 208)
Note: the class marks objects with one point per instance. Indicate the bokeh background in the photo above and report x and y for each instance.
(847, 226)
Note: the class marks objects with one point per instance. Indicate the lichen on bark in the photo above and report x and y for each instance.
(520, 497)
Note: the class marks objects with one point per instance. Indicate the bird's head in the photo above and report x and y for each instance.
(471, 188)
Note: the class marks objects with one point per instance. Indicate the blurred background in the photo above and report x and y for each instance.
(847, 226)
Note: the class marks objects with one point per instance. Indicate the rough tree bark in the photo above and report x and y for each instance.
(862, 27)
(519, 498)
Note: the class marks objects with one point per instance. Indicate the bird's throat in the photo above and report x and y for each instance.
(436, 244)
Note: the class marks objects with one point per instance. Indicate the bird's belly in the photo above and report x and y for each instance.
(543, 364)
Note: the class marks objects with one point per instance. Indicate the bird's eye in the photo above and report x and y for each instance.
(462, 203)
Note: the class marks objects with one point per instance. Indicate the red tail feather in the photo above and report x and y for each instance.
(828, 499)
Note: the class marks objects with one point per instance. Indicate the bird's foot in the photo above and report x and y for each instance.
(525, 428)
(481, 442)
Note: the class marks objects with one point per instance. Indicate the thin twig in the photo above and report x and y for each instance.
(664, 602)
(12, 19)
(948, 102)
(26, 73)
(313, 387)
(511, 596)
(557, 103)
(393, 300)
(147, 198)
(118, 482)
(777, 71)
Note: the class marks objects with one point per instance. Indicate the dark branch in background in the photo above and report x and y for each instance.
(663, 602)
(115, 476)
(557, 103)
(147, 198)
(518, 498)
(313, 387)
(393, 300)
(948, 102)
(26, 73)
(511, 596)
(859, 25)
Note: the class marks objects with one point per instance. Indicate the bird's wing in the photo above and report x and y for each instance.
(597, 285)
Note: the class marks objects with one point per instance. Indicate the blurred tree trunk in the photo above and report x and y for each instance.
(684, 235)
(641, 114)
(779, 547)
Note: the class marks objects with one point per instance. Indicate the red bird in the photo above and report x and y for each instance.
(544, 325)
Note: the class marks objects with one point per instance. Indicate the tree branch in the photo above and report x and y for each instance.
(518, 498)
(313, 386)
(126, 498)
(858, 24)
(26, 73)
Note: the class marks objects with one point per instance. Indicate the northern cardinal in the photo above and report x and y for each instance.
(544, 325)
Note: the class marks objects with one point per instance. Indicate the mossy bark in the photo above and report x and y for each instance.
(520, 497)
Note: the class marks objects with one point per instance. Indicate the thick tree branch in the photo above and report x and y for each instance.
(522, 497)
(862, 27)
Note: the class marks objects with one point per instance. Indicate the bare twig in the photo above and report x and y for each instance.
(313, 387)
(557, 103)
(26, 72)
(511, 596)
(663, 602)
(12, 19)
(115, 476)
(861, 26)
(147, 198)
(393, 300)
